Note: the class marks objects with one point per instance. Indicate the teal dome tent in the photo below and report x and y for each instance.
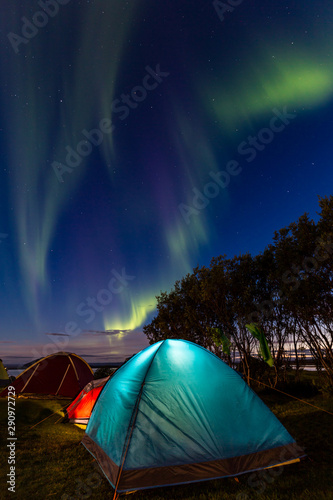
(175, 413)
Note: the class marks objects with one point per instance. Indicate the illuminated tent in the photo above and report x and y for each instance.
(4, 378)
(175, 413)
(80, 410)
(61, 374)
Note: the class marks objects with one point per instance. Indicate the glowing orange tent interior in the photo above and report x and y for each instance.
(80, 410)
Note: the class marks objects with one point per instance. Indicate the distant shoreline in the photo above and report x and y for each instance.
(17, 369)
(18, 366)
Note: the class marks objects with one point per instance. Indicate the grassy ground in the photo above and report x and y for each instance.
(52, 464)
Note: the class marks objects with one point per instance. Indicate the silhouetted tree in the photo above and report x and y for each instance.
(287, 289)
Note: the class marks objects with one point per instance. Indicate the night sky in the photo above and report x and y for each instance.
(140, 139)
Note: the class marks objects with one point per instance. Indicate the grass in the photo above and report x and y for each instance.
(52, 464)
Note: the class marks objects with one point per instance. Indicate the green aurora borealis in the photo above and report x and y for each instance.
(120, 207)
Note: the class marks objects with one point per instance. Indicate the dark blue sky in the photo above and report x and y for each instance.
(140, 139)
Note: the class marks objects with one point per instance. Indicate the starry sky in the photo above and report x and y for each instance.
(140, 139)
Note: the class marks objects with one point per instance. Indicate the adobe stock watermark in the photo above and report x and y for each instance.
(222, 7)
(121, 106)
(3, 236)
(84, 488)
(87, 309)
(249, 149)
(40, 19)
(12, 439)
(259, 480)
(293, 278)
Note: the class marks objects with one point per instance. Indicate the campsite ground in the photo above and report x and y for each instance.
(51, 462)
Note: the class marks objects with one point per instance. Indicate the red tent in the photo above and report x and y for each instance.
(80, 410)
(60, 374)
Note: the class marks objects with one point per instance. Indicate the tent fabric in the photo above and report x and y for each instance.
(4, 378)
(176, 413)
(61, 374)
(80, 410)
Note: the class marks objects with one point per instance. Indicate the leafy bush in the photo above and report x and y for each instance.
(299, 388)
(103, 371)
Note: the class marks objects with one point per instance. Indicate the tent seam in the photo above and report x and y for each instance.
(133, 419)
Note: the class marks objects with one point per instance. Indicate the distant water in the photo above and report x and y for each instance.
(14, 373)
(307, 360)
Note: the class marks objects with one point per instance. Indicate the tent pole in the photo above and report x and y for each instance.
(33, 373)
(116, 495)
(77, 377)
(63, 378)
(132, 423)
